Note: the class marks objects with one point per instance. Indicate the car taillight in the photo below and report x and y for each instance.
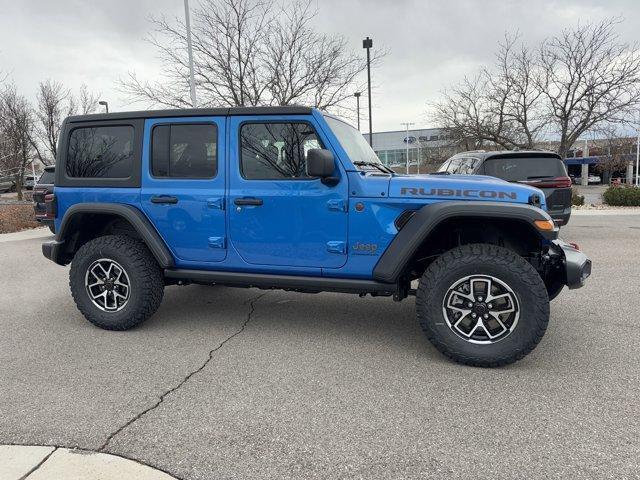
(557, 182)
(51, 206)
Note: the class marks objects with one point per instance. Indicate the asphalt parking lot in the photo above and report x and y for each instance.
(239, 383)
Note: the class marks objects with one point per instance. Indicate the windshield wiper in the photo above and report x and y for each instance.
(535, 177)
(440, 173)
(379, 166)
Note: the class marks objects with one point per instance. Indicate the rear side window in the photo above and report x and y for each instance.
(276, 151)
(184, 151)
(515, 169)
(444, 167)
(47, 177)
(100, 152)
(462, 166)
(454, 165)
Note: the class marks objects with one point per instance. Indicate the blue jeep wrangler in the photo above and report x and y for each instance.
(291, 198)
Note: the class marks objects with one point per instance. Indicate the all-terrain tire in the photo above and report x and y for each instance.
(492, 261)
(146, 283)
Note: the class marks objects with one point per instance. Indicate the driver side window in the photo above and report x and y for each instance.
(276, 151)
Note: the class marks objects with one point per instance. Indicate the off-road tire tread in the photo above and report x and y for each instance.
(140, 259)
(503, 258)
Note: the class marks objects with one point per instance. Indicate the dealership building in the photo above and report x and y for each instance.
(391, 147)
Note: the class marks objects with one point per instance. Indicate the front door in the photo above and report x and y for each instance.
(277, 214)
(183, 186)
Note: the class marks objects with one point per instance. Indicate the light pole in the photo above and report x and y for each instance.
(105, 104)
(584, 172)
(357, 95)
(368, 43)
(406, 140)
(638, 153)
(192, 82)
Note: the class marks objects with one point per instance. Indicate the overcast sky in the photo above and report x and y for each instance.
(431, 43)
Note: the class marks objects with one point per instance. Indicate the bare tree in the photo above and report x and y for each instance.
(617, 150)
(16, 135)
(499, 106)
(588, 77)
(54, 103)
(571, 84)
(249, 52)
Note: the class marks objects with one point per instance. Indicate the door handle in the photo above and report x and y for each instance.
(248, 201)
(164, 199)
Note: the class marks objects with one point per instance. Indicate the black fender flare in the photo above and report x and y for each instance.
(393, 261)
(131, 214)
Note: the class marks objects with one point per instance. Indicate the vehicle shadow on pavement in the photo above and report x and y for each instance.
(331, 317)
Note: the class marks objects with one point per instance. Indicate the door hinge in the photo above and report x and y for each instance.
(337, 247)
(216, 202)
(217, 242)
(337, 205)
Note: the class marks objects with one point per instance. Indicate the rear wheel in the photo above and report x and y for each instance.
(115, 282)
(482, 305)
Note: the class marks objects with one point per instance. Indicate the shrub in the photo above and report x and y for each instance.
(14, 218)
(622, 196)
(576, 199)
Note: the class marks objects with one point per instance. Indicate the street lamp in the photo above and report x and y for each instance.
(357, 95)
(406, 140)
(638, 153)
(192, 82)
(368, 43)
(104, 104)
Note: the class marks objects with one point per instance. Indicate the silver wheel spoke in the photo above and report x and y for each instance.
(492, 298)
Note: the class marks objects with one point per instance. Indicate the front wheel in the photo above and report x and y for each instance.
(116, 282)
(482, 305)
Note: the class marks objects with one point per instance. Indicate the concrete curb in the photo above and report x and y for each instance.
(606, 211)
(25, 235)
(20, 462)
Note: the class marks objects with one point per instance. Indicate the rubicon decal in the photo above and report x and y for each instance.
(449, 192)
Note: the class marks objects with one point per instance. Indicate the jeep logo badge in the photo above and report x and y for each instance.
(365, 248)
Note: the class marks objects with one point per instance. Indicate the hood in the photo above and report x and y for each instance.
(460, 187)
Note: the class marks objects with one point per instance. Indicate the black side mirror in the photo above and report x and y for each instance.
(320, 163)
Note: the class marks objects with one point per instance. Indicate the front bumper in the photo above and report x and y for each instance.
(576, 265)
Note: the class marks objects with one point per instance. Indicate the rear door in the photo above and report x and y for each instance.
(183, 185)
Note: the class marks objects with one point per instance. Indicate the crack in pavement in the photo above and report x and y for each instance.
(186, 378)
(40, 463)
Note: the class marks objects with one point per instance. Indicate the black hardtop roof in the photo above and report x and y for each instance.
(482, 155)
(192, 112)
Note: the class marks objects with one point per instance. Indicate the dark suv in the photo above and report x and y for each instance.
(544, 170)
(42, 188)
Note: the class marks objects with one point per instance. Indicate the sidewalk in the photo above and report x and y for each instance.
(19, 462)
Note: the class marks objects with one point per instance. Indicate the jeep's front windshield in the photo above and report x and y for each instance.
(357, 148)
